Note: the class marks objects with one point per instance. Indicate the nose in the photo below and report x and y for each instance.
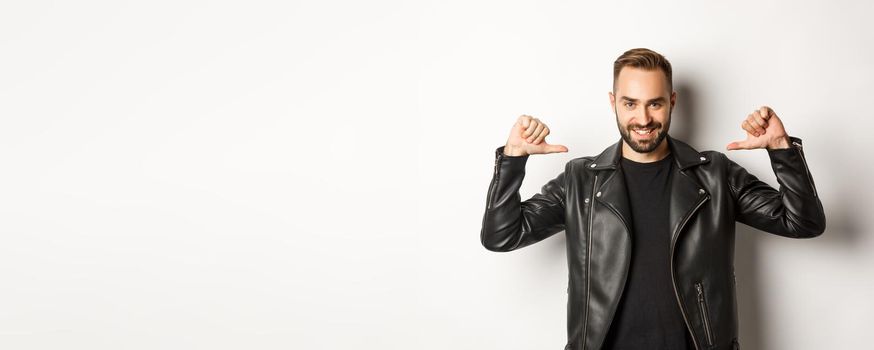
(645, 117)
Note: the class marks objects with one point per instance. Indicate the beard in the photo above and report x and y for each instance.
(644, 146)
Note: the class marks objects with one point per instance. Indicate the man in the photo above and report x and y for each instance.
(650, 221)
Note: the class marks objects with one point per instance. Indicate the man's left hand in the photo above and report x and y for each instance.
(764, 130)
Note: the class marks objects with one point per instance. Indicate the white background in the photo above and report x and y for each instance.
(312, 175)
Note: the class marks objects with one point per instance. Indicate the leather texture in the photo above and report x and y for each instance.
(589, 202)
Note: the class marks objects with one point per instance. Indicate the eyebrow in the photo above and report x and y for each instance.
(657, 99)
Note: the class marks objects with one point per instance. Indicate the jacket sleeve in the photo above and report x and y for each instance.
(792, 211)
(509, 223)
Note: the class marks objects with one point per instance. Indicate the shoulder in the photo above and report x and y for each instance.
(715, 156)
(719, 159)
(689, 156)
(581, 160)
(718, 167)
(579, 163)
(608, 154)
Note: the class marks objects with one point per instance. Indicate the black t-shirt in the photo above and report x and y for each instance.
(648, 315)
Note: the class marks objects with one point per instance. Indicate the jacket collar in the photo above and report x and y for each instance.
(684, 155)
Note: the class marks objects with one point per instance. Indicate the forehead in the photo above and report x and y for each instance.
(641, 83)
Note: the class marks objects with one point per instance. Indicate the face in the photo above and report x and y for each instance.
(643, 102)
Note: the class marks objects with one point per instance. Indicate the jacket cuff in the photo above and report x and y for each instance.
(505, 163)
(790, 167)
(795, 146)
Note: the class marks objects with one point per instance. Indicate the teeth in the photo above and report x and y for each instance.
(643, 131)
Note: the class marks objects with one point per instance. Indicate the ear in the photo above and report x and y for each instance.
(673, 99)
(612, 100)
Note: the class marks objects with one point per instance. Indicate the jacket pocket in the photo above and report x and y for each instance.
(705, 315)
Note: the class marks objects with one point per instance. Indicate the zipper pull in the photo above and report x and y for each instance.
(700, 291)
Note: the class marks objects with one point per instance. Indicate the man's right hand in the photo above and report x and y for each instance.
(528, 137)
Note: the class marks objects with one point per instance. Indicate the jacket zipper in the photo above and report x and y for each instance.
(702, 304)
(806, 169)
(496, 180)
(673, 282)
(589, 260)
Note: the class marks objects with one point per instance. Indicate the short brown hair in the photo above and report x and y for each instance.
(645, 59)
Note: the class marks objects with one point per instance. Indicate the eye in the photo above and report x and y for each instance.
(655, 104)
(629, 104)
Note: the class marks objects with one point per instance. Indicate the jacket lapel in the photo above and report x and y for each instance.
(612, 192)
(686, 193)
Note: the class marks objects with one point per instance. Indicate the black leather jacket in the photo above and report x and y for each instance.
(588, 200)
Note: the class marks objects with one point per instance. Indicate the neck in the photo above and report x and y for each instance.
(657, 154)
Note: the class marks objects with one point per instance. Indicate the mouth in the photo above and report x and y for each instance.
(645, 132)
